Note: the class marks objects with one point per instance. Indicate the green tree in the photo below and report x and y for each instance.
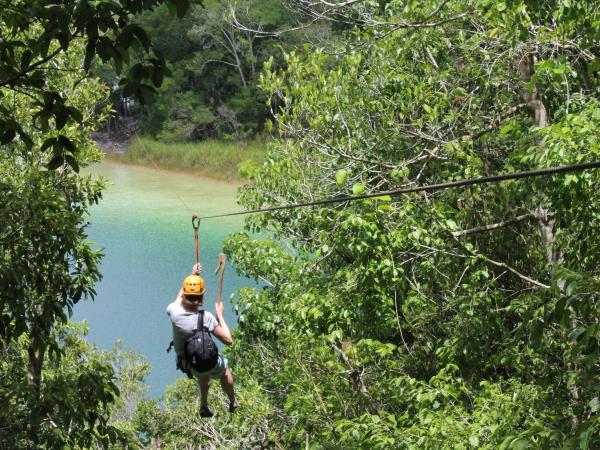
(76, 396)
(50, 103)
(35, 34)
(174, 422)
(463, 318)
(215, 54)
(46, 265)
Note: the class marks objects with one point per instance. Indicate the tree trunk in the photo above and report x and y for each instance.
(232, 47)
(535, 105)
(554, 256)
(36, 352)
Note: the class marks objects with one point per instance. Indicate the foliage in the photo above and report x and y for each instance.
(56, 394)
(46, 264)
(215, 54)
(178, 424)
(130, 370)
(458, 319)
(35, 34)
(463, 318)
(75, 399)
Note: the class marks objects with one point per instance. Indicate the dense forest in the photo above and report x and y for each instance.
(461, 318)
(215, 55)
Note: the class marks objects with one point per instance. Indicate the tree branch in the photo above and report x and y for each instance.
(32, 67)
(493, 226)
(494, 123)
(510, 269)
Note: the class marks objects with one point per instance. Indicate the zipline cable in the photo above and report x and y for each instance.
(431, 187)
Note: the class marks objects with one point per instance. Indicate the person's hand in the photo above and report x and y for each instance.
(197, 269)
(219, 309)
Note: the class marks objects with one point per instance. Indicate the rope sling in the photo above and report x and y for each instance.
(221, 262)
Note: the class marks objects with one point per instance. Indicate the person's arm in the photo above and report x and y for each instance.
(179, 295)
(221, 331)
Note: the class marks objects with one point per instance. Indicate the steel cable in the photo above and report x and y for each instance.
(431, 187)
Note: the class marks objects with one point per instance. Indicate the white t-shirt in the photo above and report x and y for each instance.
(185, 322)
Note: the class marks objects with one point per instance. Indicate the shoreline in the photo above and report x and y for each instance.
(109, 159)
(213, 159)
(151, 168)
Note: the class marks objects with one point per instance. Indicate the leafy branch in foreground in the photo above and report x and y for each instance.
(47, 266)
(33, 34)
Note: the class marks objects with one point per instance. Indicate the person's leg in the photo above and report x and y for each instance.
(227, 385)
(204, 384)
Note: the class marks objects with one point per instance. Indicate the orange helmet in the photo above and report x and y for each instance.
(193, 285)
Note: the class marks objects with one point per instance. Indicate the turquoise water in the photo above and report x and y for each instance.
(143, 223)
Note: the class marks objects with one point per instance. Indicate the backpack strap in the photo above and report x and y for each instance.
(200, 324)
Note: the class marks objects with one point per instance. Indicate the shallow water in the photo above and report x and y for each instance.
(143, 223)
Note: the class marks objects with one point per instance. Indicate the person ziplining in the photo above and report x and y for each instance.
(196, 353)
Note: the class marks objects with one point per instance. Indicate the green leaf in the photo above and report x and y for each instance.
(117, 62)
(26, 139)
(130, 89)
(71, 161)
(67, 144)
(341, 176)
(383, 198)
(358, 188)
(399, 174)
(37, 79)
(8, 136)
(90, 52)
(157, 76)
(142, 36)
(493, 32)
(507, 128)
(182, 7)
(48, 143)
(519, 444)
(571, 288)
(56, 162)
(26, 60)
(61, 117)
(148, 94)
(137, 72)
(125, 37)
(536, 330)
(75, 114)
(451, 224)
(474, 441)
(172, 7)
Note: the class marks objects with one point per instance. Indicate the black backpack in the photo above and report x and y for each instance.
(200, 351)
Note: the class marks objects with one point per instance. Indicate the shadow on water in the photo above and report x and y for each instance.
(143, 224)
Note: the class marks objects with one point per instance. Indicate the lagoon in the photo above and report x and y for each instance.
(143, 225)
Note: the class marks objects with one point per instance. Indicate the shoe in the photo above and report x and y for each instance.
(233, 406)
(205, 412)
